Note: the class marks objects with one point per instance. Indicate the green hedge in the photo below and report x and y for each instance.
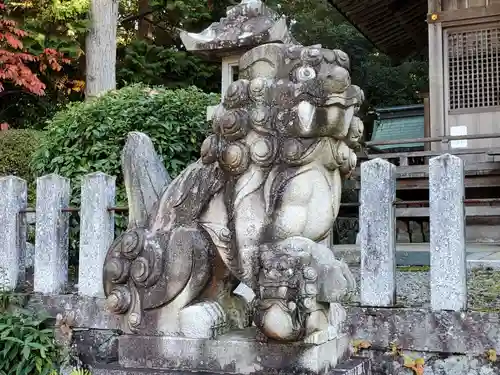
(17, 147)
(16, 150)
(89, 136)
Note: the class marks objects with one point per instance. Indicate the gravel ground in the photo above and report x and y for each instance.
(413, 289)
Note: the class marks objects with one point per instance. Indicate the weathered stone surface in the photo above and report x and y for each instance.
(90, 312)
(118, 370)
(384, 362)
(144, 175)
(234, 353)
(30, 218)
(97, 227)
(262, 198)
(404, 256)
(402, 232)
(378, 243)
(52, 234)
(447, 226)
(415, 329)
(13, 199)
(413, 288)
(30, 255)
(246, 25)
(96, 346)
(354, 366)
(416, 232)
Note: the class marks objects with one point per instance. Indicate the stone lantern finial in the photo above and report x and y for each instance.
(246, 25)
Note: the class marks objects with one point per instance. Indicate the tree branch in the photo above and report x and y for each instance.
(135, 17)
(156, 24)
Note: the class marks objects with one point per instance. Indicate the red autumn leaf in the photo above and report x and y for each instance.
(16, 64)
(20, 33)
(13, 41)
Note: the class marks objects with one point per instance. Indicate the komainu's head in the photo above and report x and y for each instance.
(287, 97)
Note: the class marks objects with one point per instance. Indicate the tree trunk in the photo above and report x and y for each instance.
(145, 29)
(101, 48)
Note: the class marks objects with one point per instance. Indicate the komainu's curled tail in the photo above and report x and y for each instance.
(164, 255)
(165, 259)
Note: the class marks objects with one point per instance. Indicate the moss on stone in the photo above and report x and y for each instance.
(484, 289)
(414, 268)
(413, 288)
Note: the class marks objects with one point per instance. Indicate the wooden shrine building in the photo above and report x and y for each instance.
(462, 108)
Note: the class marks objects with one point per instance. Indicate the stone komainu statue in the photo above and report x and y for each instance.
(253, 209)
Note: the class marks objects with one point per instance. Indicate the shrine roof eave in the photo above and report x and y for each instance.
(397, 28)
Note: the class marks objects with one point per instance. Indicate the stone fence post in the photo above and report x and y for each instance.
(377, 233)
(447, 233)
(52, 234)
(13, 199)
(97, 227)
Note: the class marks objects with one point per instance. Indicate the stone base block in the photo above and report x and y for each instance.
(355, 366)
(235, 353)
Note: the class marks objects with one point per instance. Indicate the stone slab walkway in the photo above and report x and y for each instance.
(479, 255)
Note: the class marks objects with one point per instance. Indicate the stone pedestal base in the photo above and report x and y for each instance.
(235, 353)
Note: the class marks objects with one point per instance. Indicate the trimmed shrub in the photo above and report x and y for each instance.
(16, 150)
(89, 136)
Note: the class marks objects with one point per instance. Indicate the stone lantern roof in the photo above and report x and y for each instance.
(246, 25)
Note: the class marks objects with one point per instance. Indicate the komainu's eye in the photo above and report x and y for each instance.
(305, 73)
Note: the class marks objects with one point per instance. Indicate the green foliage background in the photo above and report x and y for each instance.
(384, 82)
(144, 62)
(161, 59)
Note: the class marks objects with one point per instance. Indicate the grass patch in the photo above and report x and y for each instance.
(484, 289)
(414, 268)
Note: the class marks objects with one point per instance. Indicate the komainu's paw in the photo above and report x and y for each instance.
(204, 320)
(337, 317)
(317, 338)
(320, 337)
